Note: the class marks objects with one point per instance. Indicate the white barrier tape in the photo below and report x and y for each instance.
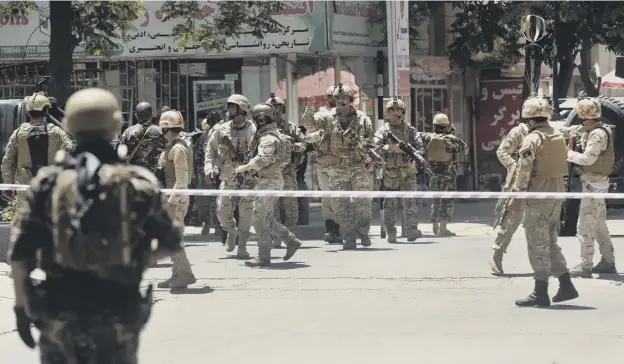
(374, 194)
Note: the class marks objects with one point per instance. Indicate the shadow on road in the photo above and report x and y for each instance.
(162, 265)
(564, 307)
(192, 290)
(287, 265)
(361, 249)
(417, 242)
(611, 277)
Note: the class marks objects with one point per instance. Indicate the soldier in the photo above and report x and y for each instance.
(145, 141)
(94, 249)
(270, 152)
(400, 173)
(227, 149)
(176, 164)
(348, 165)
(507, 154)
(442, 149)
(207, 205)
(595, 160)
(33, 144)
(289, 205)
(323, 160)
(541, 168)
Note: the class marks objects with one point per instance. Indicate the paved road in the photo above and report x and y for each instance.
(432, 301)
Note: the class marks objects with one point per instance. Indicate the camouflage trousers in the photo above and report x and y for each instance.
(264, 221)
(592, 225)
(323, 182)
(289, 205)
(88, 341)
(226, 206)
(541, 221)
(401, 180)
(354, 218)
(177, 212)
(508, 228)
(442, 208)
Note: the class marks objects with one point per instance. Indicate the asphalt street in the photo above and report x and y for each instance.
(431, 301)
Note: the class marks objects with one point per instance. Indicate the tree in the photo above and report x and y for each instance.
(495, 28)
(419, 11)
(94, 25)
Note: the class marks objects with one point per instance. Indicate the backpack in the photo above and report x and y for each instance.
(284, 151)
(92, 214)
(437, 150)
(38, 141)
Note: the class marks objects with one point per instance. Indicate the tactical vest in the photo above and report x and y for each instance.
(92, 218)
(341, 146)
(406, 133)
(437, 151)
(33, 145)
(551, 160)
(284, 150)
(323, 145)
(604, 164)
(169, 166)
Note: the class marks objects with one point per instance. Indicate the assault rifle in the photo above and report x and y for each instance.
(502, 210)
(412, 153)
(240, 157)
(366, 146)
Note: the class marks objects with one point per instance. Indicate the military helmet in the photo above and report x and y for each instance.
(239, 100)
(330, 91)
(93, 110)
(274, 100)
(205, 125)
(441, 120)
(342, 90)
(536, 107)
(171, 119)
(395, 103)
(37, 102)
(262, 112)
(588, 108)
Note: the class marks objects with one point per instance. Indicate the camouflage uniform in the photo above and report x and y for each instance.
(267, 165)
(507, 154)
(595, 159)
(219, 154)
(91, 310)
(23, 156)
(206, 205)
(444, 167)
(145, 143)
(289, 205)
(541, 168)
(348, 168)
(399, 174)
(176, 162)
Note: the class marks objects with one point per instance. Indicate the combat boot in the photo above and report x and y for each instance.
(178, 281)
(497, 263)
(257, 262)
(412, 235)
(580, 271)
(337, 236)
(205, 229)
(392, 234)
(329, 236)
(538, 298)
(444, 231)
(277, 243)
(566, 290)
(350, 242)
(604, 267)
(231, 240)
(291, 248)
(224, 236)
(242, 253)
(365, 240)
(436, 228)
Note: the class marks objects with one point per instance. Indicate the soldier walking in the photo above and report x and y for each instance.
(145, 141)
(94, 249)
(176, 163)
(542, 167)
(400, 173)
(442, 149)
(270, 152)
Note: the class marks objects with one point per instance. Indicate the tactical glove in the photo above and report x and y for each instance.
(23, 327)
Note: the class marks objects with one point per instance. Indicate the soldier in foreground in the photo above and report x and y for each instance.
(33, 145)
(595, 159)
(289, 205)
(348, 164)
(541, 167)
(507, 154)
(145, 141)
(270, 152)
(442, 149)
(94, 249)
(226, 150)
(400, 172)
(323, 160)
(176, 169)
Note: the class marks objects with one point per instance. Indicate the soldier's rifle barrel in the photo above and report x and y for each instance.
(364, 144)
(410, 151)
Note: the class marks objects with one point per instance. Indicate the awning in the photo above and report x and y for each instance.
(612, 81)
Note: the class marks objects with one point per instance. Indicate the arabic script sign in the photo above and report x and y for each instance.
(499, 111)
